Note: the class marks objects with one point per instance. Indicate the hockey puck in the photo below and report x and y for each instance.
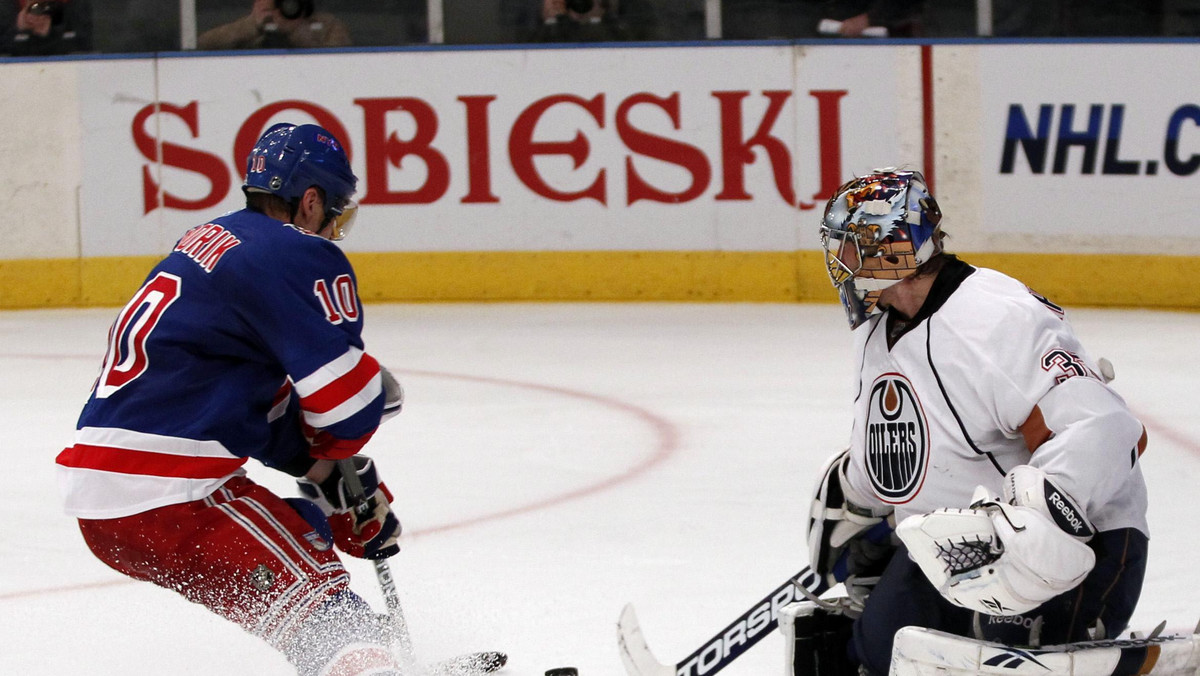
(563, 671)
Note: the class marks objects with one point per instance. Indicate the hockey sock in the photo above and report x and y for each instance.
(343, 637)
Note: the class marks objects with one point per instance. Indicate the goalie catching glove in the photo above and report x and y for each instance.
(1004, 556)
(370, 533)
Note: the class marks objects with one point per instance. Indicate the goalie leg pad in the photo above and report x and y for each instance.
(922, 652)
(817, 640)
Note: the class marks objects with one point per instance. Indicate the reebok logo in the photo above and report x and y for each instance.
(1012, 658)
(995, 604)
(1021, 620)
(1065, 513)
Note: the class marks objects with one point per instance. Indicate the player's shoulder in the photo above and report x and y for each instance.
(237, 251)
(268, 239)
(996, 299)
(996, 313)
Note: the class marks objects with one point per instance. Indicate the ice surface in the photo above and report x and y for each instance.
(553, 462)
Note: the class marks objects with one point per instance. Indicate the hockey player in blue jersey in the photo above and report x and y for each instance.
(246, 342)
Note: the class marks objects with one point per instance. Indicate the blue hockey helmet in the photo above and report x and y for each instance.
(289, 159)
(877, 230)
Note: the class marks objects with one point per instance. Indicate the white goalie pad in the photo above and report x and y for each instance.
(998, 560)
(925, 652)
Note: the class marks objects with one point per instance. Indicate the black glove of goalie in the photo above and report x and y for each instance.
(845, 540)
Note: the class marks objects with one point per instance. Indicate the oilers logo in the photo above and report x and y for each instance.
(897, 440)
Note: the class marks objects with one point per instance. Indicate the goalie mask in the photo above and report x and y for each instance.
(877, 230)
(289, 159)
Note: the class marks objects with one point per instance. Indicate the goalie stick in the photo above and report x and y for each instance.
(463, 665)
(723, 648)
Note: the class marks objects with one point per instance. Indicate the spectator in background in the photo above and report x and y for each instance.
(44, 27)
(1082, 18)
(594, 21)
(278, 24)
(872, 18)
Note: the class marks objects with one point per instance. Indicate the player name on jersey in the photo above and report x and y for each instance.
(206, 244)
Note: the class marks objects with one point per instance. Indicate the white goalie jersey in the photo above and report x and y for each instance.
(951, 406)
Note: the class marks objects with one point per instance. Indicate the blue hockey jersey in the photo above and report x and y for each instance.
(244, 342)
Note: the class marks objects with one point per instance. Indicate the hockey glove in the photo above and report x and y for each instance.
(371, 533)
(393, 394)
(845, 540)
(1004, 556)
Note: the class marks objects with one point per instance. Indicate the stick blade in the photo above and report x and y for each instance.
(635, 654)
(473, 664)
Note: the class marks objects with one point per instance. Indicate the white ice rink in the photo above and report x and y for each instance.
(553, 462)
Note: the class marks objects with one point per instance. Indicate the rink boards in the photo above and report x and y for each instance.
(678, 172)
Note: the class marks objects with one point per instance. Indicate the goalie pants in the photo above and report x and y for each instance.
(244, 553)
(904, 597)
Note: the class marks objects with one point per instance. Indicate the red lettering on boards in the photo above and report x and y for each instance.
(741, 139)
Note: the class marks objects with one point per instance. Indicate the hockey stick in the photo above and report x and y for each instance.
(383, 572)
(723, 648)
(473, 663)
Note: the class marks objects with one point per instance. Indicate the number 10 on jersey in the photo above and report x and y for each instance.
(341, 302)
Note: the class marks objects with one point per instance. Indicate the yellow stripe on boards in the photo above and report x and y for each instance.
(1103, 280)
(725, 276)
(590, 275)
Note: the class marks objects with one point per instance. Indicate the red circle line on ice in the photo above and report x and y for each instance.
(665, 445)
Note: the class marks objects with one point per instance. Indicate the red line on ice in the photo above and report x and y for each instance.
(1156, 428)
(665, 431)
(666, 443)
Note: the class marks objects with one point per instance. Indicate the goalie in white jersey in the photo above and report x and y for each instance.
(982, 428)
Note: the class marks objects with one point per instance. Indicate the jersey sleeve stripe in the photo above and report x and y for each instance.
(147, 463)
(330, 372)
(345, 397)
(355, 403)
(361, 381)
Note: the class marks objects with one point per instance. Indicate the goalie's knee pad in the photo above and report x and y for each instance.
(817, 640)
